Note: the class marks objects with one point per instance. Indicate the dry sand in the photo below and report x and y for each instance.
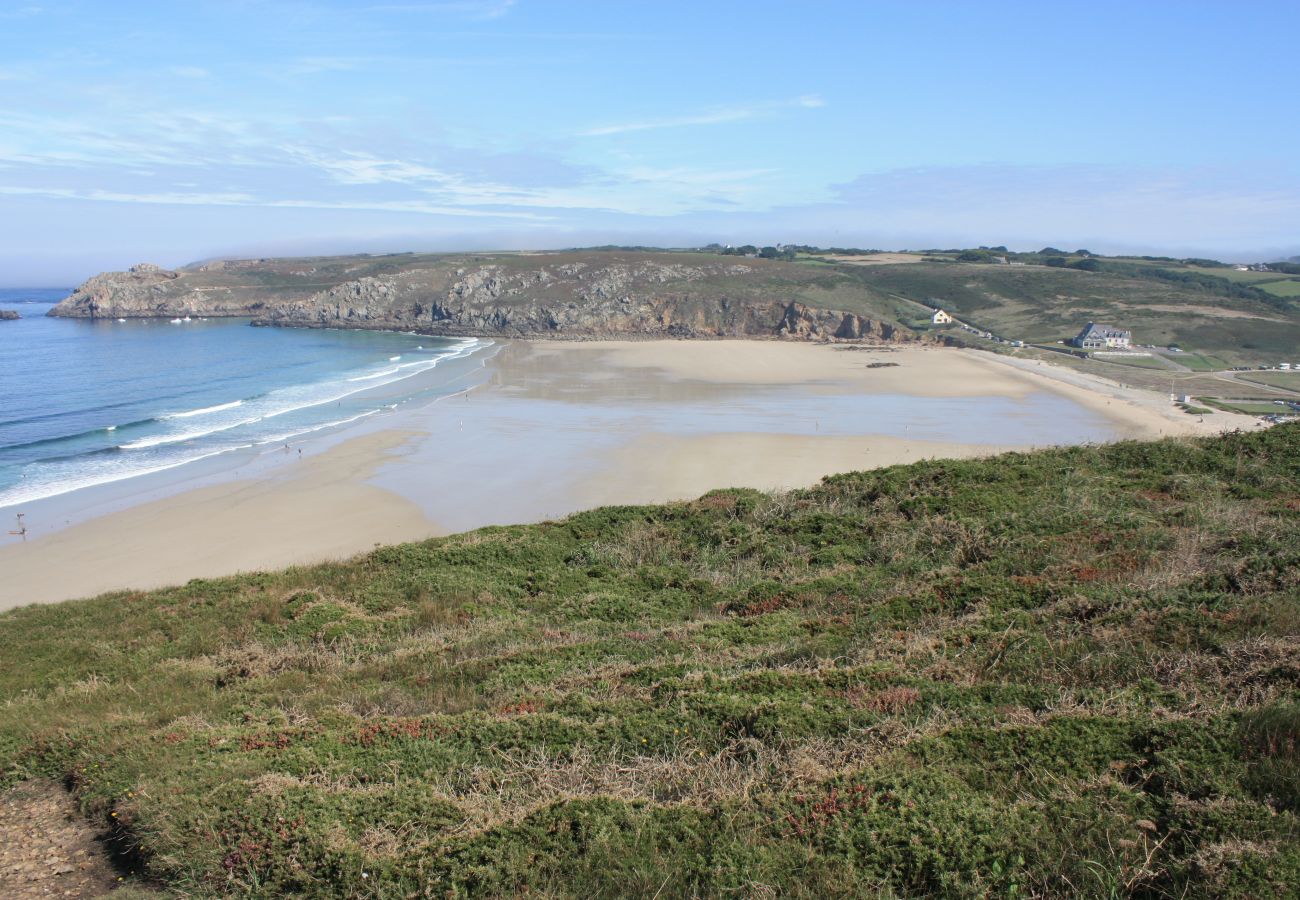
(920, 372)
(530, 447)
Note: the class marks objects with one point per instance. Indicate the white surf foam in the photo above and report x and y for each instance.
(204, 411)
(19, 494)
(61, 478)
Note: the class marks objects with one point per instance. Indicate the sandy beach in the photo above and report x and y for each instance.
(561, 426)
(321, 508)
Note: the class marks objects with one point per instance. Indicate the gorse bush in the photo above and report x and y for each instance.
(1065, 673)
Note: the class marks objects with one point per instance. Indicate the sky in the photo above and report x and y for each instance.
(174, 132)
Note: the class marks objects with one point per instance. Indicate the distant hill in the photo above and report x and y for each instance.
(1237, 316)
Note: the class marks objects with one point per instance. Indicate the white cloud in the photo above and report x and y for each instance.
(718, 116)
(189, 71)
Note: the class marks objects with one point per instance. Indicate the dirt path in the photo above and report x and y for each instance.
(48, 849)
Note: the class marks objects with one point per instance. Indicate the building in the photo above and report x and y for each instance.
(1103, 337)
(941, 318)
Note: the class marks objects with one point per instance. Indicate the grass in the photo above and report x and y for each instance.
(1137, 362)
(1249, 407)
(1199, 362)
(1041, 305)
(1287, 288)
(1288, 380)
(1247, 277)
(1071, 672)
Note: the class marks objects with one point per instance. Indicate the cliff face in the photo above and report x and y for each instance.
(555, 295)
(148, 291)
(571, 299)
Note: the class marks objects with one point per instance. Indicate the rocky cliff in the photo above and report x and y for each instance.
(149, 291)
(578, 294)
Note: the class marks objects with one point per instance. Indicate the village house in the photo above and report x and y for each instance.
(941, 318)
(1103, 337)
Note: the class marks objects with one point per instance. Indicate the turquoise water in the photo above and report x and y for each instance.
(85, 403)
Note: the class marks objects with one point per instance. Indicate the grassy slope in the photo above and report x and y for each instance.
(1037, 304)
(1289, 380)
(1065, 672)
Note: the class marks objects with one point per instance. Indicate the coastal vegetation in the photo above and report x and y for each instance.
(1231, 320)
(1068, 672)
(1236, 317)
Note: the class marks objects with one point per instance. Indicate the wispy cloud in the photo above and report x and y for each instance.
(717, 116)
(189, 71)
(352, 167)
(314, 65)
(176, 198)
(22, 12)
(470, 9)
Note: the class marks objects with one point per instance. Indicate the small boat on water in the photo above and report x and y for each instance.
(186, 319)
(121, 320)
(177, 321)
(393, 358)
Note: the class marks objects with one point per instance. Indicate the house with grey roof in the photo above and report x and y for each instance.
(1103, 337)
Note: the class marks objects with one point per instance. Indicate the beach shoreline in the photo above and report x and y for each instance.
(558, 426)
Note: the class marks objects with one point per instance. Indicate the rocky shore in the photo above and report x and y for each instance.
(8, 315)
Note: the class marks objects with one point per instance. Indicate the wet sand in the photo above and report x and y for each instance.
(321, 508)
(562, 426)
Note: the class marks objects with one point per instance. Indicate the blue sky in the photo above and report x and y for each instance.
(172, 132)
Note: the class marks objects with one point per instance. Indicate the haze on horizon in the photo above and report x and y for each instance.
(278, 127)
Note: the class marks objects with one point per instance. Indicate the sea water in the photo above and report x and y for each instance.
(89, 402)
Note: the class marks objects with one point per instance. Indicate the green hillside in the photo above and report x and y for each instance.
(1067, 673)
(1240, 323)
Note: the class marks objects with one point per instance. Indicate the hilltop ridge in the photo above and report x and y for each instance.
(1224, 315)
(578, 293)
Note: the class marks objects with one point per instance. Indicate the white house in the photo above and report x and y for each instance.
(1103, 337)
(941, 318)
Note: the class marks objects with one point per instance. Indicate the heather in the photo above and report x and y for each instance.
(1068, 672)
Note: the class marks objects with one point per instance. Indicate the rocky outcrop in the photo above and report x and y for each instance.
(805, 322)
(8, 315)
(576, 300)
(149, 291)
(575, 294)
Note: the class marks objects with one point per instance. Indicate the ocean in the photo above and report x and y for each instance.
(86, 403)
